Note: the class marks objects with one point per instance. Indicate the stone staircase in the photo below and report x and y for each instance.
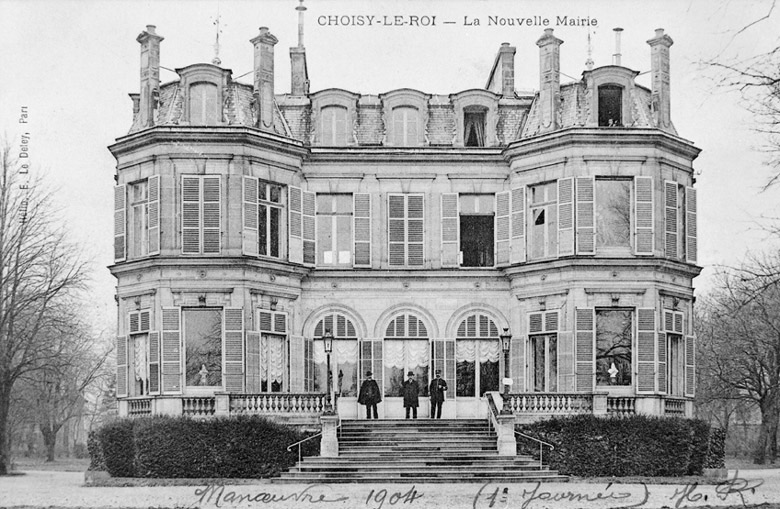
(417, 451)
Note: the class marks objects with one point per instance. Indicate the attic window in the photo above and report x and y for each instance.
(610, 106)
(474, 128)
(204, 108)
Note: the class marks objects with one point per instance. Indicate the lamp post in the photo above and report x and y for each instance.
(506, 343)
(327, 339)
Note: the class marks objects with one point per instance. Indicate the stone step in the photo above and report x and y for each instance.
(420, 479)
(378, 442)
(411, 459)
(421, 469)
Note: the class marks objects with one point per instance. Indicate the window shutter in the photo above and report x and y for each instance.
(670, 190)
(362, 229)
(396, 229)
(585, 332)
(171, 351)
(296, 224)
(297, 364)
(154, 362)
(535, 323)
(661, 352)
(121, 366)
(120, 223)
(280, 322)
(517, 251)
(265, 321)
(253, 383)
(690, 225)
(646, 348)
(154, 215)
(690, 365)
(643, 216)
(565, 362)
(415, 246)
(566, 216)
(211, 215)
(250, 219)
(586, 231)
(517, 364)
(503, 238)
(449, 230)
(233, 350)
(134, 325)
(190, 215)
(309, 229)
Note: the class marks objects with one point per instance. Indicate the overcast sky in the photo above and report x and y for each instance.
(72, 64)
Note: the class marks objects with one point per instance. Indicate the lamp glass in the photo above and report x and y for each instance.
(328, 339)
(506, 339)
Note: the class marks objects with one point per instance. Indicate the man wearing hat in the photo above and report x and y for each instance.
(370, 395)
(411, 389)
(438, 388)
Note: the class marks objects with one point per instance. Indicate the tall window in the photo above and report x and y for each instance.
(269, 211)
(476, 355)
(200, 214)
(333, 121)
(344, 358)
(334, 230)
(543, 351)
(676, 366)
(543, 227)
(203, 346)
(139, 225)
(610, 106)
(613, 214)
(477, 218)
(405, 230)
(406, 348)
(613, 346)
(406, 126)
(204, 108)
(474, 128)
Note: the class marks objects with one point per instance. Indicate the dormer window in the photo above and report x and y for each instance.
(405, 126)
(204, 107)
(474, 128)
(334, 125)
(610, 106)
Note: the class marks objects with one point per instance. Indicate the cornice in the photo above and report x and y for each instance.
(418, 155)
(280, 268)
(617, 264)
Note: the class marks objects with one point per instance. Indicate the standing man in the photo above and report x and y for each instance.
(411, 389)
(438, 388)
(370, 395)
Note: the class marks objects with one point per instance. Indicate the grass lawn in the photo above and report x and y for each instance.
(59, 464)
(747, 464)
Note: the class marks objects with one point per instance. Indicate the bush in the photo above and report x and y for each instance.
(716, 452)
(243, 446)
(639, 445)
(95, 452)
(117, 447)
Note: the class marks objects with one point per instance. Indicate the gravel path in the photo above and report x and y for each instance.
(65, 489)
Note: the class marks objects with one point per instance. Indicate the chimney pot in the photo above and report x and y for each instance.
(659, 32)
(151, 29)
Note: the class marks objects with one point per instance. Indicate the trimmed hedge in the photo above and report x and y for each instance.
(716, 454)
(232, 447)
(118, 448)
(95, 451)
(590, 446)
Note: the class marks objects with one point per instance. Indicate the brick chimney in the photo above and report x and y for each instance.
(659, 70)
(507, 56)
(150, 75)
(264, 78)
(549, 80)
(300, 73)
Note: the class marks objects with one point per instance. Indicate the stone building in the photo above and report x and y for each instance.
(415, 228)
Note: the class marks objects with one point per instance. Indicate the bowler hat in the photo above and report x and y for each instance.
(368, 373)
(411, 373)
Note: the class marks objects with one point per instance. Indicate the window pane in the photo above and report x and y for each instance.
(203, 104)
(203, 339)
(276, 193)
(613, 346)
(553, 362)
(262, 230)
(466, 368)
(274, 232)
(613, 213)
(610, 105)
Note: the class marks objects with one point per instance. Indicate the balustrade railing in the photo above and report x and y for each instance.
(621, 406)
(139, 407)
(674, 407)
(197, 406)
(550, 403)
(276, 403)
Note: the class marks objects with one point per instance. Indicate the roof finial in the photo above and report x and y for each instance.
(216, 60)
(589, 62)
(300, 8)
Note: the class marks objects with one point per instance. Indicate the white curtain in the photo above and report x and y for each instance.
(139, 359)
(263, 357)
(489, 351)
(394, 354)
(417, 352)
(346, 350)
(276, 358)
(466, 350)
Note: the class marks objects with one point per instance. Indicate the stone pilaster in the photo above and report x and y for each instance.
(329, 444)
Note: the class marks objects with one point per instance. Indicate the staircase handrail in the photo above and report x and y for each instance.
(541, 444)
(299, 442)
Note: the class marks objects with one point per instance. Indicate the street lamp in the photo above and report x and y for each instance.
(506, 343)
(327, 339)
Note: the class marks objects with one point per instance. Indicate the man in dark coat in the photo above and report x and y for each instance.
(411, 389)
(370, 395)
(437, 389)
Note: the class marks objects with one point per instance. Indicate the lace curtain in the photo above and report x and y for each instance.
(465, 351)
(415, 352)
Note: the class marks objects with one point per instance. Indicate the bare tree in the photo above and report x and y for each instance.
(40, 276)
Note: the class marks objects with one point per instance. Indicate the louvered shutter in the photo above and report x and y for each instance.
(585, 339)
(309, 228)
(171, 351)
(362, 229)
(566, 217)
(233, 350)
(265, 321)
(503, 235)
(662, 363)
(253, 382)
(690, 225)
(670, 192)
(250, 216)
(153, 219)
(449, 230)
(296, 224)
(690, 365)
(396, 229)
(644, 233)
(211, 215)
(297, 364)
(585, 211)
(154, 362)
(120, 223)
(190, 215)
(517, 250)
(415, 230)
(565, 362)
(517, 364)
(144, 319)
(134, 322)
(646, 348)
(121, 366)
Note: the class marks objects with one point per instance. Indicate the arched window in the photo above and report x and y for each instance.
(344, 357)
(333, 125)
(610, 106)
(405, 126)
(477, 353)
(204, 108)
(474, 126)
(406, 348)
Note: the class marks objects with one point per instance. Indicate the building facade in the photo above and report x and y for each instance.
(415, 228)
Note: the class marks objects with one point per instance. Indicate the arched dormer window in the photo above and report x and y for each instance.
(204, 107)
(333, 125)
(405, 116)
(611, 91)
(205, 87)
(610, 106)
(476, 113)
(333, 117)
(406, 122)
